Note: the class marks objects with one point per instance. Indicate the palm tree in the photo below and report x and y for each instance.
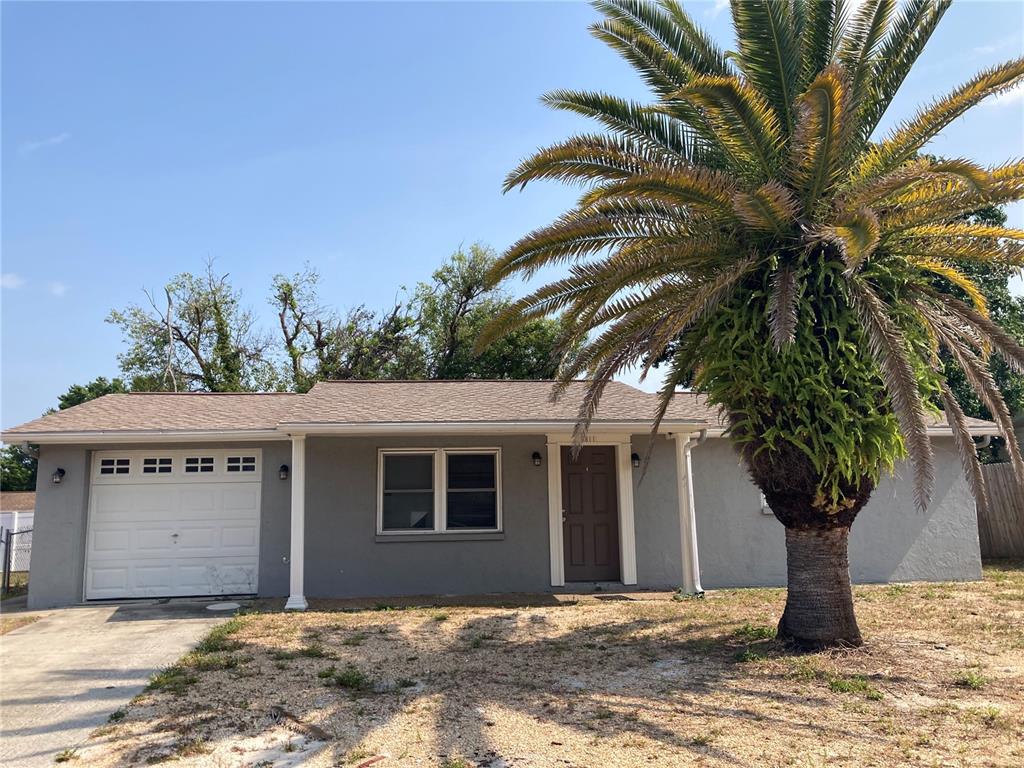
(748, 230)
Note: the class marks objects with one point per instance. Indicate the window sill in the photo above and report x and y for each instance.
(387, 538)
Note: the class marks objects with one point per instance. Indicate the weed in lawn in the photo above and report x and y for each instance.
(354, 640)
(66, 756)
(219, 638)
(681, 596)
(327, 674)
(970, 678)
(752, 632)
(357, 754)
(854, 684)
(603, 713)
(803, 669)
(207, 662)
(440, 616)
(455, 762)
(896, 590)
(174, 679)
(191, 747)
(747, 655)
(350, 678)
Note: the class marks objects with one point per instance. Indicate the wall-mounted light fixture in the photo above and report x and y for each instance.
(283, 472)
(57, 476)
(635, 460)
(537, 459)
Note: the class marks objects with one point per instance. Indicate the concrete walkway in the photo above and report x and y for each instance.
(63, 675)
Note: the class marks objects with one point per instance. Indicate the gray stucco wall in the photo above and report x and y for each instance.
(890, 540)
(345, 558)
(739, 546)
(59, 527)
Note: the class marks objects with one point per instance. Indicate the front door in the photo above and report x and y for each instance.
(590, 514)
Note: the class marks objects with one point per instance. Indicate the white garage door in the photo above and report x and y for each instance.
(173, 523)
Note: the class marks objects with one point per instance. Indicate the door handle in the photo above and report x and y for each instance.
(174, 535)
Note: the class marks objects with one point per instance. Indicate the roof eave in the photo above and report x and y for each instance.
(107, 437)
(481, 427)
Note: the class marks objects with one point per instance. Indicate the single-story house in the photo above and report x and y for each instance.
(385, 488)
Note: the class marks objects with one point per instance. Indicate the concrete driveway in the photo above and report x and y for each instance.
(62, 676)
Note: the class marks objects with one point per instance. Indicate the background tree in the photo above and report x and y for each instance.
(1008, 311)
(430, 336)
(455, 307)
(17, 469)
(200, 339)
(361, 344)
(80, 393)
(748, 216)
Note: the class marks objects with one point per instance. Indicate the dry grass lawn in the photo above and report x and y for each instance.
(601, 681)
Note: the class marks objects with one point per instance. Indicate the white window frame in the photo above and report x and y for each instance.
(440, 478)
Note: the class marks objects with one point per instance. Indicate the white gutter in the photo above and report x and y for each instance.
(110, 437)
(472, 427)
(685, 443)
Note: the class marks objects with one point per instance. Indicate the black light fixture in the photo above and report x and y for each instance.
(283, 472)
(635, 459)
(57, 476)
(536, 459)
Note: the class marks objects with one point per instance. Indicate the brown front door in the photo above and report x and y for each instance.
(590, 514)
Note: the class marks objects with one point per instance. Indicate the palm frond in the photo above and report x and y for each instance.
(741, 120)
(782, 306)
(957, 278)
(984, 385)
(957, 421)
(1003, 342)
(861, 38)
(907, 37)
(769, 208)
(769, 53)
(889, 349)
(909, 137)
(818, 139)
(856, 237)
(642, 123)
(700, 188)
(819, 36)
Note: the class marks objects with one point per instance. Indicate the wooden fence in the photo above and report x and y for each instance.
(1001, 520)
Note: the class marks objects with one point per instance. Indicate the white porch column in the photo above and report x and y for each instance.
(627, 526)
(687, 518)
(296, 593)
(554, 450)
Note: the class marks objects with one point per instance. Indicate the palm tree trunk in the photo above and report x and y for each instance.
(819, 602)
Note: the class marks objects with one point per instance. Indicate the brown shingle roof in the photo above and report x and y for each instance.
(366, 403)
(22, 501)
(472, 401)
(165, 412)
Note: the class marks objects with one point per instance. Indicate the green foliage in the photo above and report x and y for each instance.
(431, 335)
(81, 393)
(17, 469)
(196, 337)
(747, 229)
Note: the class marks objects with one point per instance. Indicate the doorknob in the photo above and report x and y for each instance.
(174, 535)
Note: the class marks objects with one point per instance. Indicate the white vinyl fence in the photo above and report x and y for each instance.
(21, 546)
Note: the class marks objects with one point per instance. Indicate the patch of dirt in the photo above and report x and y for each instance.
(597, 683)
(11, 623)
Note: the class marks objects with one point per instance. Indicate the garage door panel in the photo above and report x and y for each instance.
(176, 535)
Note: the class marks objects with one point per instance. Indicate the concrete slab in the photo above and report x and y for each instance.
(63, 675)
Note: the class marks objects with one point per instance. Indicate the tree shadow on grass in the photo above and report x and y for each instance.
(453, 687)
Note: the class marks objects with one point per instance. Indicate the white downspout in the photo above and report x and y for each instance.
(685, 443)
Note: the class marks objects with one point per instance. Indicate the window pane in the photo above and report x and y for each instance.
(472, 509)
(470, 470)
(408, 472)
(408, 511)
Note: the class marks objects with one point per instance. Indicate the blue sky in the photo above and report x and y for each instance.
(370, 140)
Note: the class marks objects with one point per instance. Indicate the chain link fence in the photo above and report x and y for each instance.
(15, 553)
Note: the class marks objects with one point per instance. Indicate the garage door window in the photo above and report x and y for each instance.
(157, 466)
(241, 464)
(198, 464)
(115, 466)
